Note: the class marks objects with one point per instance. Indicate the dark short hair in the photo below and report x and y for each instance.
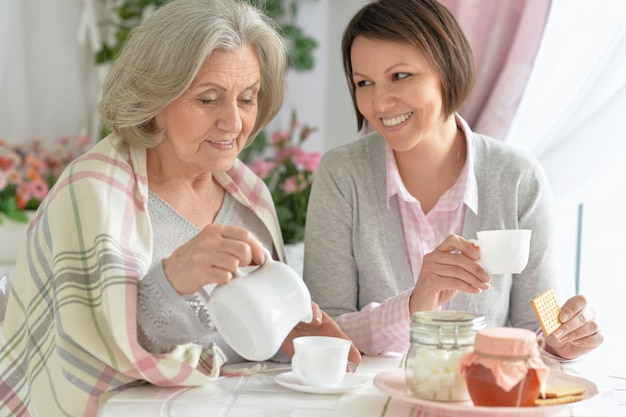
(428, 26)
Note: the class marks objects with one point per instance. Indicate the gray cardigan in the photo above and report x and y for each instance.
(355, 252)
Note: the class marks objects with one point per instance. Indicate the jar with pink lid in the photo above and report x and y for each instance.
(505, 369)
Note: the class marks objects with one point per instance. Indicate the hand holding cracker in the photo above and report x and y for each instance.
(578, 332)
(547, 311)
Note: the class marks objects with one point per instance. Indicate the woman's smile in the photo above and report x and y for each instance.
(225, 145)
(395, 121)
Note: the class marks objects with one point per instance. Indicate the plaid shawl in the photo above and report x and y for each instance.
(70, 326)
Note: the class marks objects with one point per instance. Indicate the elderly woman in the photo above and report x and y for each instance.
(112, 288)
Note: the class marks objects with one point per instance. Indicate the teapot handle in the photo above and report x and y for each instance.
(268, 259)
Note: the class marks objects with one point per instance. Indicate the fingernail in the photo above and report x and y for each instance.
(564, 316)
(558, 334)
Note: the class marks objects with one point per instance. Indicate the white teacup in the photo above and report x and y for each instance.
(503, 251)
(254, 312)
(320, 361)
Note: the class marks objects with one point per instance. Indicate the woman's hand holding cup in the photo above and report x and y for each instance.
(444, 272)
(451, 267)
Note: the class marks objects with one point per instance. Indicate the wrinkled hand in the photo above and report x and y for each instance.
(451, 267)
(321, 325)
(579, 333)
(212, 256)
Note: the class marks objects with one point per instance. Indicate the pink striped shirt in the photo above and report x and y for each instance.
(422, 234)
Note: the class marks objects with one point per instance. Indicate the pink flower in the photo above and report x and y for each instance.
(298, 155)
(294, 184)
(284, 153)
(5, 163)
(38, 189)
(287, 170)
(262, 168)
(313, 161)
(307, 160)
(32, 168)
(280, 136)
(290, 185)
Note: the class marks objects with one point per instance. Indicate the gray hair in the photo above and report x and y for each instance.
(163, 55)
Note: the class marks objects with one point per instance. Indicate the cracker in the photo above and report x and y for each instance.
(562, 391)
(559, 400)
(547, 311)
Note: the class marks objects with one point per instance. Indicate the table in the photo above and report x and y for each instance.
(259, 395)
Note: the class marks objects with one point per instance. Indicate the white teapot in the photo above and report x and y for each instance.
(254, 312)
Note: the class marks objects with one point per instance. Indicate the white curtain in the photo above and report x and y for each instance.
(572, 118)
(572, 112)
(47, 80)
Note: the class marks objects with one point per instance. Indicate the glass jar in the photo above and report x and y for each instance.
(505, 369)
(438, 340)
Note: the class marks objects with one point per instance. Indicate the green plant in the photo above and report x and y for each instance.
(129, 13)
(288, 170)
(300, 45)
(124, 16)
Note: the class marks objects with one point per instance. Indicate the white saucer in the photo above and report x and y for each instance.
(291, 381)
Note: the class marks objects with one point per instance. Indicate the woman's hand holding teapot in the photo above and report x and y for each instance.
(211, 256)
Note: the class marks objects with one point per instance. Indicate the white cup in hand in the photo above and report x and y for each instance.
(503, 251)
(320, 361)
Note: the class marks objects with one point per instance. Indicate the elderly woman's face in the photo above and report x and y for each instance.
(207, 127)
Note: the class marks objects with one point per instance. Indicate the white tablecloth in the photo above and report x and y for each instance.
(259, 395)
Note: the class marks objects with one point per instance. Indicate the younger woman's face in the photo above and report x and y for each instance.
(397, 91)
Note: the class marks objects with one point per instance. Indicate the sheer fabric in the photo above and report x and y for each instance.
(551, 76)
(571, 118)
(46, 76)
(571, 115)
